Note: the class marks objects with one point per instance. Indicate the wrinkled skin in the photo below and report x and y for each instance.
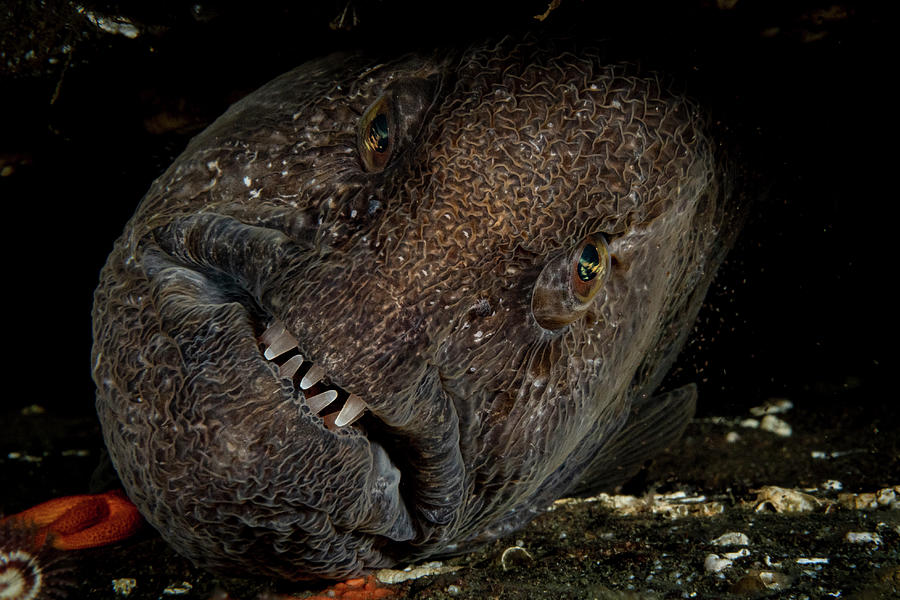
(414, 288)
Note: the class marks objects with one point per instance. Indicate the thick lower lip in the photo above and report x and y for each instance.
(427, 471)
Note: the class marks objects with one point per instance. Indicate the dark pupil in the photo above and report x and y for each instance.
(588, 263)
(378, 133)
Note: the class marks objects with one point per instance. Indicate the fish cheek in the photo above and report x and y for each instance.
(551, 300)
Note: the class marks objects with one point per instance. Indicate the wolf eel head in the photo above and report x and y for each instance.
(382, 311)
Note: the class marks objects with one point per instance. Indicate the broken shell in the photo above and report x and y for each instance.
(515, 556)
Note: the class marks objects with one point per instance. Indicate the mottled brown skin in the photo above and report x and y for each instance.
(413, 288)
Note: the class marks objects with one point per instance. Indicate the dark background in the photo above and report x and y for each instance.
(802, 308)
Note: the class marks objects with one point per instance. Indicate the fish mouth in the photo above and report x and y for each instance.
(424, 510)
(337, 407)
(427, 504)
(402, 445)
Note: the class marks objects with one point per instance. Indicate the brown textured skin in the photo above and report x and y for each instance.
(412, 287)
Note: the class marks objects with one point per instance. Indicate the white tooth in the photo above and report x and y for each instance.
(281, 345)
(290, 367)
(353, 409)
(320, 401)
(272, 333)
(312, 377)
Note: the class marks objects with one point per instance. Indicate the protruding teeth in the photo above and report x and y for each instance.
(280, 345)
(290, 366)
(320, 401)
(353, 409)
(272, 333)
(312, 377)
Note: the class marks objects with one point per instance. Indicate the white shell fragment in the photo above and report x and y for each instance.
(819, 454)
(733, 538)
(177, 589)
(716, 564)
(392, 576)
(515, 556)
(785, 500)
(773, 580)
(124, 586)
(673, 505)
(115, 25)
(775, 425)
(888, 497)
(773, 407)
(864, 501)
(862, 537)
(763, 418)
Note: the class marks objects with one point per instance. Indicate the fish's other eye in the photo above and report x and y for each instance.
(375, 136)
(567, 285)
(590, 265)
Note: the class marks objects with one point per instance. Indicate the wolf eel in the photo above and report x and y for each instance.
(380, 311)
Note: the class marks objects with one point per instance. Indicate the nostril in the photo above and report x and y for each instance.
(481, 308)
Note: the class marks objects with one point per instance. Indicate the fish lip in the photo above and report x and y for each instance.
(253, 264)
(433, 523)
(419, 448)
(403, 527)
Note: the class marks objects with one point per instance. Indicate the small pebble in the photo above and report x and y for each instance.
(775, 425)
(736, 555)
(178, 589)
(862, 537)
(392, 576)
(733, 538)
(124, 586)
(888, 497)
(864, 501)
(773, 580)
(772, 407)
(716, 564)
(785, 500)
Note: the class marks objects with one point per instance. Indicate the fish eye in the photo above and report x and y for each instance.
(375, 136)
(589, 267)
(569, 282)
